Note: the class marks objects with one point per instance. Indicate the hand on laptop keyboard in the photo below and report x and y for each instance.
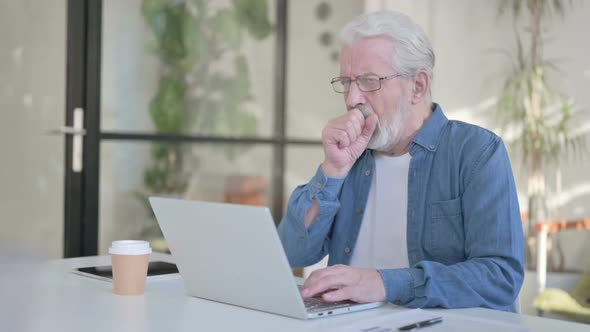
(342, 282)
(317, 302)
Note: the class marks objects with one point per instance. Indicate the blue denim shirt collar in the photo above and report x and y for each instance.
(429, 135)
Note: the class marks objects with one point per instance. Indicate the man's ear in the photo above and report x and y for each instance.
(421, 87)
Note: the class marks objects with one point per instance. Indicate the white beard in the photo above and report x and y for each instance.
(388, 133)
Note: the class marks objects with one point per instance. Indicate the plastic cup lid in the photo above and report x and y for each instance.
(130, 247)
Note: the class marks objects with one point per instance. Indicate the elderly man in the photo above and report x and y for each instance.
(411, 207)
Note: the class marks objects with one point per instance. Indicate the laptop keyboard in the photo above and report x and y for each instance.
(318, 303)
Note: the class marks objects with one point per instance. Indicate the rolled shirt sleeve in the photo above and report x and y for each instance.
(308, 246)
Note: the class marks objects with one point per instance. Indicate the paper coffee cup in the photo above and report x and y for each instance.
(130, 263)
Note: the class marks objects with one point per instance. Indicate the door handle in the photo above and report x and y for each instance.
(67, 130)
(77, 131)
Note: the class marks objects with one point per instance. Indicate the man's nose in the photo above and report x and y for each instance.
(354, 96)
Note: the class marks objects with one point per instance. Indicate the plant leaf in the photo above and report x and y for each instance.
(226, 24)
(166, 109)
(253, 15)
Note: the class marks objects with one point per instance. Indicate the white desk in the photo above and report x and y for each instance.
(49, 298)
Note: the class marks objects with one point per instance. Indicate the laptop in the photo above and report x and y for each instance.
(232, 254)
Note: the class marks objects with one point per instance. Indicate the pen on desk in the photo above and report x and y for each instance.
(421, 324)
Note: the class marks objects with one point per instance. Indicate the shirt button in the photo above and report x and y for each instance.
(347, 250)
(397, 302)
(358, 211)
(368, 172)
(318, 185)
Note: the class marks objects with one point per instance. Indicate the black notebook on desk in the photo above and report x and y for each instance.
(105, 272)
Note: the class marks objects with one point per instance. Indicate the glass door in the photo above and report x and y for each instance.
(106, 102)
(32, 103)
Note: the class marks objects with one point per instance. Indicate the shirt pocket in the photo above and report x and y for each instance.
(444, 234)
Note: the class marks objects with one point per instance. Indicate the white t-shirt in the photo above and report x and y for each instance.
(382, 240)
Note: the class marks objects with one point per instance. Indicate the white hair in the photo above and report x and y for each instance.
(412, 49)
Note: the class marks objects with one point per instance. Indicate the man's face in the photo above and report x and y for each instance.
(390, 103)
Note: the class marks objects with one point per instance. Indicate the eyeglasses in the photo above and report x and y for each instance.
(365, 83)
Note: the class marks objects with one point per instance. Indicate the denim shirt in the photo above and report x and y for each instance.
(464, 232)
